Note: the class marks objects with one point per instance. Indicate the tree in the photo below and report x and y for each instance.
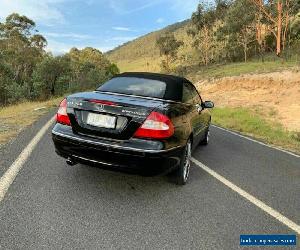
(48, 73)
(240, 25)
(5, 79)
(90, 67)
(168, 46)
(277, 16)
(21, 48)
(112, 70)
(295, 27)
(28, 72)
(206, 20)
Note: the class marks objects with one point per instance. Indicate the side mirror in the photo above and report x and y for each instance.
(208, 105)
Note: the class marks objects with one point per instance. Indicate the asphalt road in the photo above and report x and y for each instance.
(54, 206)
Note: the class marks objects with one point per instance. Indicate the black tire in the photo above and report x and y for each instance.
(206, 138)
(182, 173)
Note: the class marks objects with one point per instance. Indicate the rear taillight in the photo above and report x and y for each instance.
(156, 126)
(62, 116)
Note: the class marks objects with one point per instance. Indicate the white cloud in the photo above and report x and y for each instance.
(43, 11)
(105, 48)
(122, 38)
(67, 35)
(160, 20)
(59, 48)
(122, 28)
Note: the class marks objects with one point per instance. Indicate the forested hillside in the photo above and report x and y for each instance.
(220, 33)
(27, 72)
(142, 54)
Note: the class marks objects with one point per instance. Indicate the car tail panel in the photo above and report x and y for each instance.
(108, 115)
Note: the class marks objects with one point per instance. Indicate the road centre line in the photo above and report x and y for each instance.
(9, 176)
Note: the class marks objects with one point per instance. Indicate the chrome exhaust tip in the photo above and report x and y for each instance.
(71, 162)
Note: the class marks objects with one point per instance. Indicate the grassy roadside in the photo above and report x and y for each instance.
(240, 68)
(197, 73)
(253, 124)
(14, 118)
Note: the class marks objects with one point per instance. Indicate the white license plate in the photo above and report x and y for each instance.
(103, 121)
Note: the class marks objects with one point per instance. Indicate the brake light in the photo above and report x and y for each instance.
(61, 115)
(156, 126)
(102, 102)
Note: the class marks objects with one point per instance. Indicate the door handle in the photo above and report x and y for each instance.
(199, 108)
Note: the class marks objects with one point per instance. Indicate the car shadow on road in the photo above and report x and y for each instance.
(102, 183)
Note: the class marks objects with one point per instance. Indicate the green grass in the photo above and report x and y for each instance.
(16, 117)
(142, 54)
(147, 64)
(252, 123)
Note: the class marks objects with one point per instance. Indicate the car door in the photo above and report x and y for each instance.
(203, 116)
(192, 116)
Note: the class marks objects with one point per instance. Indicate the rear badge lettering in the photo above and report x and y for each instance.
(135, 113)
(71, 103)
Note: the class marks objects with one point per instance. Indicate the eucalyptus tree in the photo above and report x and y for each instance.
(240, 25)
(205, 22)
(168, 46)
(276, 15)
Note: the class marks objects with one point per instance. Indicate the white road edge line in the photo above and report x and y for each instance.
(278, 216)
(11, 173)
(259, 142)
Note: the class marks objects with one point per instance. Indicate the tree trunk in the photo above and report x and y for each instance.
(53, 86)
(259, 36)
(167, 63)
(245, 51)
(285, 29)
(279, 28)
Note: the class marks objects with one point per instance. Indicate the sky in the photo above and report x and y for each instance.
(102, 24)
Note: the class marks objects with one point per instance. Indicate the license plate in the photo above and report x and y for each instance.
(103, 121)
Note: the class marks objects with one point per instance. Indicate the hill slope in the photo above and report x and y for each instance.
(142, 54)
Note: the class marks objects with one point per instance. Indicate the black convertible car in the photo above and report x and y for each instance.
(142, 122)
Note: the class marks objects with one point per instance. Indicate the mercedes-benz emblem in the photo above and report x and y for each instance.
(100, 107)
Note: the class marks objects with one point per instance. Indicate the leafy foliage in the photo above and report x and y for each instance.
(168, 47)
(218, 33)
(28, 72)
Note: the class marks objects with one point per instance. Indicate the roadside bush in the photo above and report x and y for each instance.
(15, 92)
(28, 72)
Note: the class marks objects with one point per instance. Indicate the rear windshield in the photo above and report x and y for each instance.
(135, 86)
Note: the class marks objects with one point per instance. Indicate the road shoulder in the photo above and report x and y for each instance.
(10, 151)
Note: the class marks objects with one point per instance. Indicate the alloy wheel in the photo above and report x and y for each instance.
(187, 160)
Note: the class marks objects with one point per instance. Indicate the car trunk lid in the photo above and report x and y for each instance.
(108, 115)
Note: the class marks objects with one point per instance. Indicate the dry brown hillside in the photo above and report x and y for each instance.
(142, 54)
(277, 93)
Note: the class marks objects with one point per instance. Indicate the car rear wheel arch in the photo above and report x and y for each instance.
(182, 172)
(191, 137)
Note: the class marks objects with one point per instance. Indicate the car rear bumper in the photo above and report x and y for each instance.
(137, 156)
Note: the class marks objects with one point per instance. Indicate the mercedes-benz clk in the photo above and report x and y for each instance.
(144, 123)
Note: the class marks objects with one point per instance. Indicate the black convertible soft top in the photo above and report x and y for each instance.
(174, 83)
